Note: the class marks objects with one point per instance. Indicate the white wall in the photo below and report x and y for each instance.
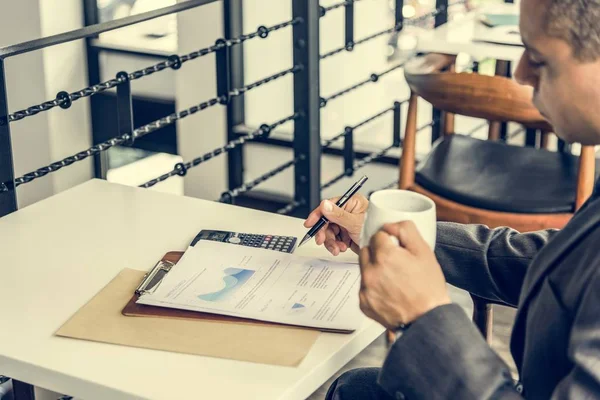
(196, 83)
(66, 69)
(36, 77)
(19, 22)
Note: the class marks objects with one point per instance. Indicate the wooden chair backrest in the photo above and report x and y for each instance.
(493, 98)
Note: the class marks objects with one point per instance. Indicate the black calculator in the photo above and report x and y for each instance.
(285, 244)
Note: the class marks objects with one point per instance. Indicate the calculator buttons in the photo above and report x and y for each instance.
(268, 242)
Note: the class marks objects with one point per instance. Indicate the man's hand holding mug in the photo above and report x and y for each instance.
(394, 235)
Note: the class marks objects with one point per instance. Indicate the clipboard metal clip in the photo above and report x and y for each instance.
(153, 278)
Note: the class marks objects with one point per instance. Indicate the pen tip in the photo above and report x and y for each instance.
(305, 239)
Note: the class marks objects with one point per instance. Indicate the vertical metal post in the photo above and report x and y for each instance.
(440, 18)
(93, 60)
(397, 141)
(124, 106)
(234, 27)
(223, 74)
(531, 137)
(563, 147)
(307, 141)
(503, 68)
(399, 16)
(349, 25)
(8, 199)
(349, 151)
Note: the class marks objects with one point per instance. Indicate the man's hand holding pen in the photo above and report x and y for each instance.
(343, 230)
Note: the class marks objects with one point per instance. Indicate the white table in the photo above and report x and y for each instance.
(58, 253)
(465, 34)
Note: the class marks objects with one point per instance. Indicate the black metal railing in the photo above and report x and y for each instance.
(307, 100)
(65, 100)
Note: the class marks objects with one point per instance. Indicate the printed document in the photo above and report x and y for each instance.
(262, 284)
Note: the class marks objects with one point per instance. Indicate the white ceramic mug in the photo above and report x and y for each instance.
(395, 205)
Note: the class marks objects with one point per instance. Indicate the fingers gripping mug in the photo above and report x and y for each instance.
(395, 205)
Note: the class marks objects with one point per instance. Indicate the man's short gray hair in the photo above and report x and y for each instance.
(578, 23)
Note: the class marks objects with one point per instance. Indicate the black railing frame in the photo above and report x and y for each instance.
(307, 138)
(8, 199)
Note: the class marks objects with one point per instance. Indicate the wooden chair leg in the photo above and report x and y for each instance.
(483, 317)
(494, 131)
(586, 175)
(545, 140)
(407, 160)
(448, 119)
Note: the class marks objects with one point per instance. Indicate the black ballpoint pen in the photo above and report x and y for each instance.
(340, 203)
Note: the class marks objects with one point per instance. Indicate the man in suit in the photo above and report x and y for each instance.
(552, 276)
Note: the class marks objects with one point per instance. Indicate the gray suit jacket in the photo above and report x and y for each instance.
(553, 277)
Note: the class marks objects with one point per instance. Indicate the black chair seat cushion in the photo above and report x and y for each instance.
(500, 177)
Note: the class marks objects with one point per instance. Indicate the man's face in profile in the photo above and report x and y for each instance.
(566, 89)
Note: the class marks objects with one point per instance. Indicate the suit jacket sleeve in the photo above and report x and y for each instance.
(443, 355)
(490, 263)
(583, 381)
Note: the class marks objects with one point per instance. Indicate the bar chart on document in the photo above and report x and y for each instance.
(262, 284)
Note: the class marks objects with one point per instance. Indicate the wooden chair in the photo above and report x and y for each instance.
(486, 181)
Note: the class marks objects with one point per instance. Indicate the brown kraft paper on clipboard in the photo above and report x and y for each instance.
(133, 309)
(101, 320)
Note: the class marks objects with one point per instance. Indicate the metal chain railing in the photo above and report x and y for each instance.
(373, 78)
(351, 45)
(170, 119)
(327, 143)
(65, 100)
(370, 158)
(92, 151)
(325, 10)
(359, 164)
(137, 133)
(396, 28)
(181, 169)
(427, 125)
(516, 133)
(228, 196)
(474, 130)
(290, 207)
(407, 22)
(391, 185)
